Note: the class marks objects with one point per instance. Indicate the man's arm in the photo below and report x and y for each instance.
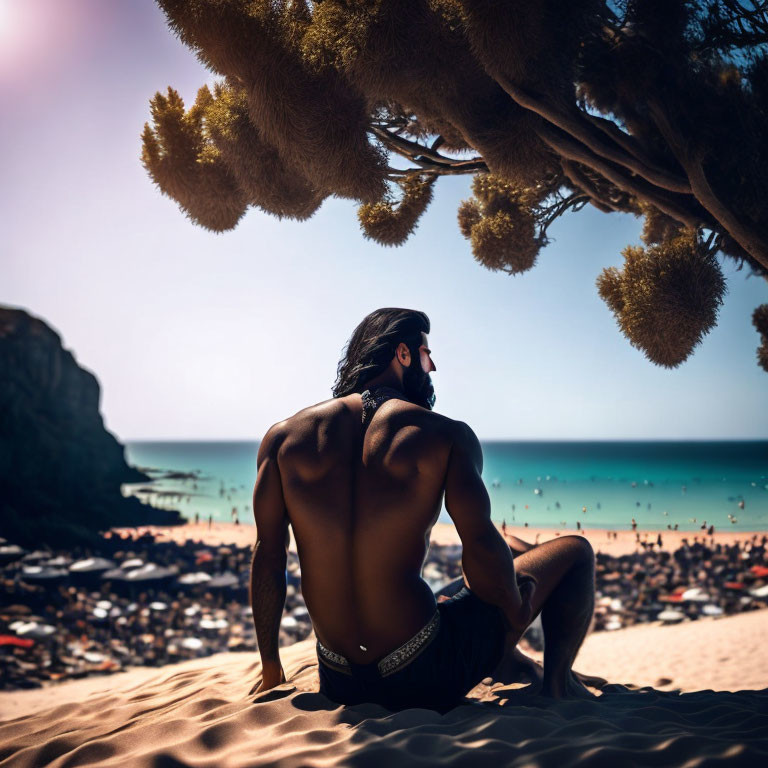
(269, 558)
(486, 558)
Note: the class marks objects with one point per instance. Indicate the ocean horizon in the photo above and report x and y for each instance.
(544, 483)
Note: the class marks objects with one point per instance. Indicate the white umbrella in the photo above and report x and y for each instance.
(670, 616)
(696, 595)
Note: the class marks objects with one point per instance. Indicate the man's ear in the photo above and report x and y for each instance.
(403, 354)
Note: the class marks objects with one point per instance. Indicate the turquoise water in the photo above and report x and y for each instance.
(656, 482)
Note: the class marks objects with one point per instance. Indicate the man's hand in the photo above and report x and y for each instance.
(271, 676)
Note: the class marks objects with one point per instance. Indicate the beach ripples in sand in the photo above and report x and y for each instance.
(198, 713)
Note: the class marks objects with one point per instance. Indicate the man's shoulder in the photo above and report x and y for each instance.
(311, 416)
(463, 435)
(433, 421)
(333, 410)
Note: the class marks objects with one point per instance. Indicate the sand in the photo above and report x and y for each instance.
(198, 713)
(446, 534)
(658, 710)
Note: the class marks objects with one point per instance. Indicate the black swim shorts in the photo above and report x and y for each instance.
(466, 648)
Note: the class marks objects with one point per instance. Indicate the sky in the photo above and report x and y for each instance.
(195, 335)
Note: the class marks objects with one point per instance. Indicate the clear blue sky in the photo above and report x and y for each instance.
(195, 335)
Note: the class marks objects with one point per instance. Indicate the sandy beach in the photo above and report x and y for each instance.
(624, 543)
(693, 693)
(199, 713)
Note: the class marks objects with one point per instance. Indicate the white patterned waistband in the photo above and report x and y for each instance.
(394, 661)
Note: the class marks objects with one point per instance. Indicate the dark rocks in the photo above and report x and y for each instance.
(60, 470)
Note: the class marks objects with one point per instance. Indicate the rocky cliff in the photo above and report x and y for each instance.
(60, 470)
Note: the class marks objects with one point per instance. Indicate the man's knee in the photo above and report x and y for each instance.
(581, 548)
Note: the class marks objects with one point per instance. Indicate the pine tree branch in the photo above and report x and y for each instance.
(423, 154)
(748, 237)
(396, 173)
(580, 129)
(583, 182)
(571, 149)
(573, 201)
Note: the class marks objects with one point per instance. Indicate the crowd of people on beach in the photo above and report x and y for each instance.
(143, 602)
(699, 579)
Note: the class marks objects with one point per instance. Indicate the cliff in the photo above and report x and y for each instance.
(60, 470)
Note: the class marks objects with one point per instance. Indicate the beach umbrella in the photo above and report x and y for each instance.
(89, 570)
(191, 643)
(759, 591)
(18, 642)
(36, 556)
(38, 574)
(91, 564)
(10, 552)
(213, 624)
(33, 629)
(696, 595)
(62, 561)
(671, 616)
(225, 580)
(712, 610)
(760, 571)
(203, 556)
(149, 573)
(114, 574)
(193, 579)
(133, 562)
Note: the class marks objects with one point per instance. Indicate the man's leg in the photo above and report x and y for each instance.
(564, 570)
(517, 545)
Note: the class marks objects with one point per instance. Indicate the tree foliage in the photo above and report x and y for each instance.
(657, 108)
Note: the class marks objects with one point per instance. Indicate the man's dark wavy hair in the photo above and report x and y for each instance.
(372, 346)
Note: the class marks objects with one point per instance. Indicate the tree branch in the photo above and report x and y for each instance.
(418, 152)
(557, 210)
(745, 235)
(581, 181)
(581, 130)
(574, 150)
(395, 173)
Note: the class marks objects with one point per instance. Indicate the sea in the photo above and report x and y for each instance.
(549, 484)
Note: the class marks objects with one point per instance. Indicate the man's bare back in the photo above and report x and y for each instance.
(362, 505)
(361, 479)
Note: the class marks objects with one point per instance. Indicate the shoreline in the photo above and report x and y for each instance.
(445, 534)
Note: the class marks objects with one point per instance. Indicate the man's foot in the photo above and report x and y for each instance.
(571, 688)
(593, 681)
(516, 667)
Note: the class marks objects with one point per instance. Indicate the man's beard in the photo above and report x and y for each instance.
(417, 385)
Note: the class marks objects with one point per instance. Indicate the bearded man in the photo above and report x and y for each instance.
(361, 479)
